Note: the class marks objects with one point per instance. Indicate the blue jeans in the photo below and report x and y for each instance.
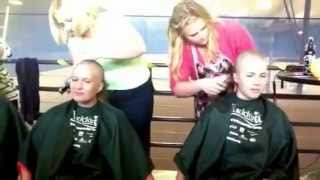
(137, 104)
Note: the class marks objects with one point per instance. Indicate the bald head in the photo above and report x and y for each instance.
(247, 57)
(251, 74)
(87, 83)
(96, 69)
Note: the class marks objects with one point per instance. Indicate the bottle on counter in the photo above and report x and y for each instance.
(309, 54)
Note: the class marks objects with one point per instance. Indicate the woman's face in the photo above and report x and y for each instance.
(85, 84)
(196, 32)
(251, 77)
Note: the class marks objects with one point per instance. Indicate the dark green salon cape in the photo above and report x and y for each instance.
(207, 154)
(12, 132)
(51, 138)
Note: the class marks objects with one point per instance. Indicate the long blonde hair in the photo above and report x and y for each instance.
(184, 13)
(81, 24)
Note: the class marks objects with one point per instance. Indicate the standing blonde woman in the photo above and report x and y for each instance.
(202, 50)
(90, 31)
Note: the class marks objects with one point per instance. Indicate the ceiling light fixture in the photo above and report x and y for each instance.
(15, 2)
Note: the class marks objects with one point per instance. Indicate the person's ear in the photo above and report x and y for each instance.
(235, 77)
(101, 87)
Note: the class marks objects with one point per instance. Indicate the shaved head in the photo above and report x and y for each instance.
(87, 83)
(245, 58)
(97, 69)
(251, 74)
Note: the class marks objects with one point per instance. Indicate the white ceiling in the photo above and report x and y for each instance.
(260, 8)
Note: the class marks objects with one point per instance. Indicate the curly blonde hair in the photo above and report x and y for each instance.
(80, 25)
(185, 13)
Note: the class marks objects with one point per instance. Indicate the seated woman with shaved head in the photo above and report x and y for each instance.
(243, 135)
(84, 138)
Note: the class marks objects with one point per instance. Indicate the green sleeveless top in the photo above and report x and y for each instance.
(126, 73)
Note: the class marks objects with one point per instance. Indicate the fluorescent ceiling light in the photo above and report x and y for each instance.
(15, 2)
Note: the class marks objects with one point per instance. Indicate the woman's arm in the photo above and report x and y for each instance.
(186, 88)
(211, 86)
(119, 39)
(75, 46)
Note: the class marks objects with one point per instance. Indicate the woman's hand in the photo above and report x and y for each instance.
(214, 86)
(179, 176)
(150, 177)
(24, 173)
(211, 86)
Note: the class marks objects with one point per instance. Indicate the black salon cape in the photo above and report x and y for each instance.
(200, 157)
(51, 138)
(12, 133)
